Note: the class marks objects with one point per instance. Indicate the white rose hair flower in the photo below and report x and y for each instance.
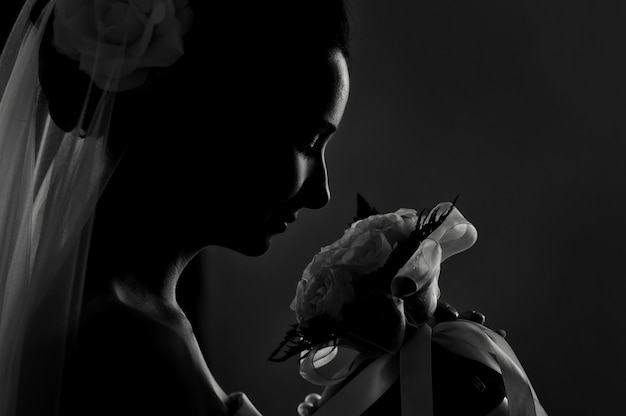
(117, 42)
(381, 263)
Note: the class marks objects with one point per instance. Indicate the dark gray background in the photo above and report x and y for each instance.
(519, 108)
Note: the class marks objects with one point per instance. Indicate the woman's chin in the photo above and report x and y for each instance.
(253, 246)
(250, 241)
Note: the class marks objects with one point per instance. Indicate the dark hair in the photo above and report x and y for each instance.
(304, 25)
(244, 36)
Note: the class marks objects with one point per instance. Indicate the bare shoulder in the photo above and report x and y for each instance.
(126, 363)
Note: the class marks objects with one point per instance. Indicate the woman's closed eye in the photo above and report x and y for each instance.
(309, 145)
(312, 143)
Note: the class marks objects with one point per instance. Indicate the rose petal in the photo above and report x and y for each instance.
(163, 52)
(123, 25)
(185, 19)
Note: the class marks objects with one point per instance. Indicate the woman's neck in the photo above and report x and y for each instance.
(138, 265)
(154, 294)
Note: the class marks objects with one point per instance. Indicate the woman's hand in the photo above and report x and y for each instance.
(446, 312)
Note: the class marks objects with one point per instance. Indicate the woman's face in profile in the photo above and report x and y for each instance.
(271, 156)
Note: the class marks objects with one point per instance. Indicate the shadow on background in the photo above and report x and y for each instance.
(519, 108)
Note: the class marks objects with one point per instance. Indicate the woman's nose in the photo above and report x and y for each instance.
(315, 188)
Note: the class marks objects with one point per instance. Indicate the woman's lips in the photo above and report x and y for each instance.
(281, 227)
(279, 224)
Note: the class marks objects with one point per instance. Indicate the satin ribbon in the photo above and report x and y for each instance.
(413, 366)
(419, 277)
(479, 343)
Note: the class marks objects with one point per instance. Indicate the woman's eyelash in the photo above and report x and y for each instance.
(315, 138)
(309, 144)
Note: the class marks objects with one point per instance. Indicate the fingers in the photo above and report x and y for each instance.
(445, 312)
(309, 405)
(474, 316)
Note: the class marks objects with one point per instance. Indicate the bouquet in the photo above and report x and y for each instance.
(365, 318)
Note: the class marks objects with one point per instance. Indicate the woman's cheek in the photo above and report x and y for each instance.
(302, 169)
(287, 174)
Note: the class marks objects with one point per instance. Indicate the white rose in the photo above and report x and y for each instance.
(368, 252)
(326, 294)
(118, 41)
(409, 220)
(326, 285)
(395, 225)
(322, 259)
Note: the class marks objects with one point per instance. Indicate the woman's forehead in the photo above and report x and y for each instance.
(313, 85)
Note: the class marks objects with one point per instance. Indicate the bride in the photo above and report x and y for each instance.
(134, 134)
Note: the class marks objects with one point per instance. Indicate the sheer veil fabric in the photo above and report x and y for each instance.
(50, 181)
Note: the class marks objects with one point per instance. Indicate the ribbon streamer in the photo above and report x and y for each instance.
(413, 366)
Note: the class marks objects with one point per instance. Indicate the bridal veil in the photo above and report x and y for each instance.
(50, 181)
